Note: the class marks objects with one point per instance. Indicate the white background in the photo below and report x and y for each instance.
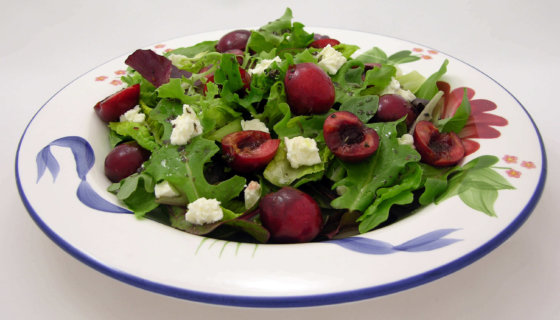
(46, 44)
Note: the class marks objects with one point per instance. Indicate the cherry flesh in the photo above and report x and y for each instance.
(291, 216)
(111, 108)
(392, 107)
(348, 138)
(233, 40)
(124, 160)
(249, 151)
(436, 148)
(309, 89)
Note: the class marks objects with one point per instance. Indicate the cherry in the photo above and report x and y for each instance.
(309, 89)
(321, 43)
(124, 160)
(291, 216)
(348, 138)
(249, 151)
(392, 107)
(111, 108)
(233, 40)
(437, 149)
(238, 55)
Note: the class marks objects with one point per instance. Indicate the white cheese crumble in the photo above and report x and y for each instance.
(395, 88)
(302, 151)
(203, 211)
(330, 59)
(252, 194)
(254, 124)
(164, 189)
(185, 127)
(263, 65)
(133, 115)
(406, 139)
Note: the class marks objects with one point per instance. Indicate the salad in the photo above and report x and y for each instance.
(278, 135)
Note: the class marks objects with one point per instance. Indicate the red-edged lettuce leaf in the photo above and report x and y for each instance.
(155, 68)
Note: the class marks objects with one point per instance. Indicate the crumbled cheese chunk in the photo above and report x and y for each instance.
(395, 88)
(203, 211)
(263, 65)
(407, 139)
(254, 124)
(133, 115)
(252, 194)
(302, 151)
(330, 59)
(185, 127)
(164, 189)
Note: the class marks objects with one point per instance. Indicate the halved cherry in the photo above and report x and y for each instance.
(436, 148)
(249, 151)
(348, 138)
(321, 43)
(111, 108)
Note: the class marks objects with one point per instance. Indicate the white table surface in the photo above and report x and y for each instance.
(46, 44)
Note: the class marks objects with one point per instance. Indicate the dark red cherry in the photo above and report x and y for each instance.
(436, 148)
(392, 107)
(124, 160)
(111, 108)
(249, 151)
(309, 89)
(321, 43)
(233, 40)
(348, 138)
(291, 216)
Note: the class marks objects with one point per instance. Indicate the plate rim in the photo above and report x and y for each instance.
(300, 300)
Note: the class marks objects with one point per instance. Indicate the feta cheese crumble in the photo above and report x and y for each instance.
(254, 124)
(185, 126)
(252, 194)
(203, 211)
(406, 139)
(302, 151)
(330, 60)
(395, 88)
(133, 115)
(263, 65)
(164, 189)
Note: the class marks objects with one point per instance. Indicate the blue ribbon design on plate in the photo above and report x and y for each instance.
(426, 242)
(84, 158)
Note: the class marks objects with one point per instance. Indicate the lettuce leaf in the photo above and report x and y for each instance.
(429, 88)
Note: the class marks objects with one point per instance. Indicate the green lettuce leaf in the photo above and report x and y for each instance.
(192, 51)
(429, 88)
(137, 131)
(137, 192)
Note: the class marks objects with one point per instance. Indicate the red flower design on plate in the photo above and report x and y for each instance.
(513, 173)
(480, 124)
(528, 164)
(116, 82)
(510, 159)
(100, 78)
(120, 72)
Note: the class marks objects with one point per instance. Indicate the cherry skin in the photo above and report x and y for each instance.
(124, 160)
(348, 138)
(309, 89)
(392, 107)
(233, 40)
(321, 43)
(249, 151)
(437, 149)
(111, 108)
(291, 216)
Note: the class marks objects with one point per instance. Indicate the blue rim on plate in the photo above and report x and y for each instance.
(293, 301)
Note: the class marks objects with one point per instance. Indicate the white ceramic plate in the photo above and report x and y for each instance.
(435, 241)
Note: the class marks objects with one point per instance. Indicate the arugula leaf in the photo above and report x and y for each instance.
(306, 126)
(346, 49)
(162, 113)
(380, 170)
(459, 119)
(136, 131)
(429, 88)
(174, 90)
(204, 46)
(400, 193)
(376, 55)
(137, 192)
(364, 107)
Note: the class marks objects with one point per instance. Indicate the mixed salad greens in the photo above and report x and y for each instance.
(227, 89)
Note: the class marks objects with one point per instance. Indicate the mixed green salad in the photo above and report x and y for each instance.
(189, 105)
